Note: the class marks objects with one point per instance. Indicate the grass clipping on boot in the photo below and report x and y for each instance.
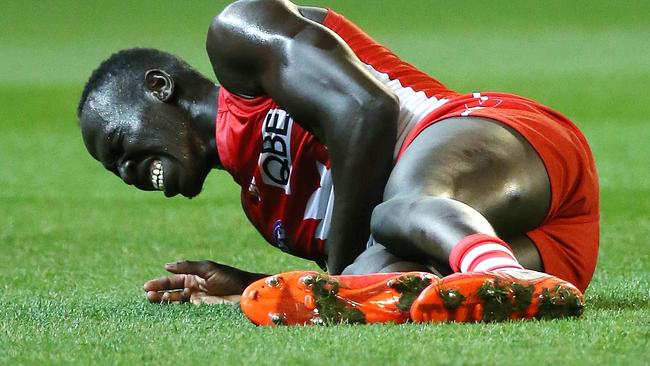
(502, 299)
(334, 310)
(410, 287)
(331, 308)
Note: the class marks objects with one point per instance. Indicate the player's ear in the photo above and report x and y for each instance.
(160, 83)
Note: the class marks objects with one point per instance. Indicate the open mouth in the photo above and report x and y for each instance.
(157, 179)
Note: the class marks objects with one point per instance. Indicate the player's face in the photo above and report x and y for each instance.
(150, 145)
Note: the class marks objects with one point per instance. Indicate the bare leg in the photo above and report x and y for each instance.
(377, 259)
(460, 177)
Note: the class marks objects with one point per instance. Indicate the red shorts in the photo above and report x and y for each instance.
(569, 236)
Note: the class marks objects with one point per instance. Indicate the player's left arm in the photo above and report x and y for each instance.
(265, 47)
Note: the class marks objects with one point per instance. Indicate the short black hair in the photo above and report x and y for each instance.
(124, 61)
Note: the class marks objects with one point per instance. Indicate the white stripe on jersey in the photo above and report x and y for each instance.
(321, 203)
(413, 106)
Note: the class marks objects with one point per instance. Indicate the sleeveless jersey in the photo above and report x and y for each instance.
(287, 191)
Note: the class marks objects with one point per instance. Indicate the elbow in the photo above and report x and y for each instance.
(226, 19)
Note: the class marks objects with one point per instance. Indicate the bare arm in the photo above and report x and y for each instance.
(265, 47)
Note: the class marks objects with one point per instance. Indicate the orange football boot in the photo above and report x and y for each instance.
(312, 298)
(497, 296)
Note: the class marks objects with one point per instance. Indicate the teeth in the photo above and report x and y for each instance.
(157, 175)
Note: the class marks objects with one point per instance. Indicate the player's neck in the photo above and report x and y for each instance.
(201, 106)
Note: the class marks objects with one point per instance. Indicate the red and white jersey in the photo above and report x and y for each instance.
(287, 191)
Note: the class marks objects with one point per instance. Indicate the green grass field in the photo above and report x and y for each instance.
(76, 244)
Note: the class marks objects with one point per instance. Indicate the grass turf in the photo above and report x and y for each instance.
(76, 244)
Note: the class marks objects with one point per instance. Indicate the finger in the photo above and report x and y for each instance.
(199, 268)
(166, 283)
(175, 297)
(154, 296)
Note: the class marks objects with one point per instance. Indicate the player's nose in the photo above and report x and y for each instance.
(126, 169)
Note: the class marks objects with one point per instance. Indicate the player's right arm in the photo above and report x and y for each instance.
(266, 47)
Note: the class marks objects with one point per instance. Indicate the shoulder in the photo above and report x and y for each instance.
(247, 14)
(251, 38)
(244, 39)
(246, 27)
(262, 16)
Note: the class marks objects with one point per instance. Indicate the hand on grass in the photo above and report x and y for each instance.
(202, 282)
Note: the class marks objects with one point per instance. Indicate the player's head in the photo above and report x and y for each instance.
(136, 119)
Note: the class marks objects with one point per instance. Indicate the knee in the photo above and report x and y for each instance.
(405, 225)
(390, 221)
(400, 216)
(382, 224)
(424, 219)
